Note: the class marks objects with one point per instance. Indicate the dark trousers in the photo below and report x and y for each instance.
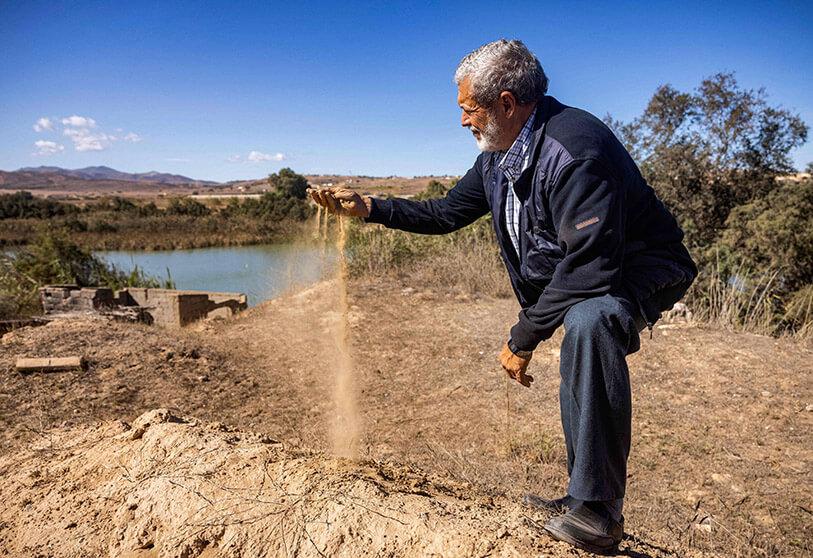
(594, 394)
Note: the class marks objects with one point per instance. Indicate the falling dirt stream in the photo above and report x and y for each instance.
(345, 423)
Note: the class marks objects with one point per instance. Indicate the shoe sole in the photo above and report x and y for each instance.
(566, 537)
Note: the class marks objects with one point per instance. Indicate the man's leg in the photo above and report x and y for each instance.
(594, 395)
(596, 413)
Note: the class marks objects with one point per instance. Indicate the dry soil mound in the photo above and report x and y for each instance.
(172, 486)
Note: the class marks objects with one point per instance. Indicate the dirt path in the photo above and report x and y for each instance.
(722, 451)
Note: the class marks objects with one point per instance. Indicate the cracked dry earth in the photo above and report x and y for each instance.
(720, 465)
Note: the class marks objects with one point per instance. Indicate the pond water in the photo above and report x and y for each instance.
(261, 272)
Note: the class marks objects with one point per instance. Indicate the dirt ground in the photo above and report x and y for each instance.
(720, 464)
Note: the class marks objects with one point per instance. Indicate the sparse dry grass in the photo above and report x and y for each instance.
(466, 261)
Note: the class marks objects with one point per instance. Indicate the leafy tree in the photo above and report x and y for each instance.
(289, 183)
(710, 150)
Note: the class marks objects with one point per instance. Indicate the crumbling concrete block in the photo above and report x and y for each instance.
(163, 307)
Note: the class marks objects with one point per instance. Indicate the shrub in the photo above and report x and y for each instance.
(288, 183)
(187, 206)
(434, 189)
(23, 205)
(775, 232)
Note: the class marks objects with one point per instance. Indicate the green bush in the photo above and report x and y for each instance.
(775, 232)
(187, 206)
(271, 206)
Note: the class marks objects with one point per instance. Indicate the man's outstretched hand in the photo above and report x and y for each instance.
(515, 366)
(341, 201)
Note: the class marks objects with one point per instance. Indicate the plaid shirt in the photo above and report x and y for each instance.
(512, 164)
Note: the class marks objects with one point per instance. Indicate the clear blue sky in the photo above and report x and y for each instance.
(195, 88)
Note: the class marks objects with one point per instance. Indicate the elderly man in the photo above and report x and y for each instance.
(587, 245)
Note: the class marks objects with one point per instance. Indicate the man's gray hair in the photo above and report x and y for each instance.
(503, 66)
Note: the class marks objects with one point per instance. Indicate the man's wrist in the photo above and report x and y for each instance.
(514, 349)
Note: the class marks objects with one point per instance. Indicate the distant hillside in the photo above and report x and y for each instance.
(43, 177)
(102, 181)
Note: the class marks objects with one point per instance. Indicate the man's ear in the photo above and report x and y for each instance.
(508, 103)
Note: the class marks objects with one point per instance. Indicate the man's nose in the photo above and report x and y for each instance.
(465, 120)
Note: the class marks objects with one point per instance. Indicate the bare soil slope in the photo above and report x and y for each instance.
(721, 459)
(170, 486)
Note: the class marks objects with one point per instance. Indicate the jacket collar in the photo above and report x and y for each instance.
(511, 161)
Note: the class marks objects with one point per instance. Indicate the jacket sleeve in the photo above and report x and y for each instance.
(588, 209)
(463, 204)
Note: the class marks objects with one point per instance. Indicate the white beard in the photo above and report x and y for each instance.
(489, 136)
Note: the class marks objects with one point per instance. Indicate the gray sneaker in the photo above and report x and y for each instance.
(587, 529)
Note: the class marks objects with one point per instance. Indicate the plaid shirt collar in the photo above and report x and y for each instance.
(513, 161)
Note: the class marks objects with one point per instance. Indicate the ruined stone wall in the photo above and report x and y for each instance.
(163, 307)
(61, 299)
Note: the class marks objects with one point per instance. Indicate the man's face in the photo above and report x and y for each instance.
(481, 121)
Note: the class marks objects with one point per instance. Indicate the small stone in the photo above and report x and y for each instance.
(203, 378)
(766, 394)
(809, 407)
(704, 525)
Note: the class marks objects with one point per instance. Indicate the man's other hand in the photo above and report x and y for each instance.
(341, 201)
(515, 366)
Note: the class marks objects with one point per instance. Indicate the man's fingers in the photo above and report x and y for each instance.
(330, 201)
(344, 194)
(526, 379)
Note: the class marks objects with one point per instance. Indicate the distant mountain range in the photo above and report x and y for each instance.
(40, 176)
